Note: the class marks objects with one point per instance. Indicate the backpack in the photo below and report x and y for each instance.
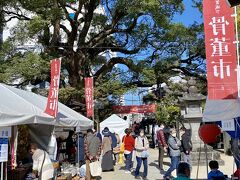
(114, 140)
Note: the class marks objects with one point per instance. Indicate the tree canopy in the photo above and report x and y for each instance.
(122, 44)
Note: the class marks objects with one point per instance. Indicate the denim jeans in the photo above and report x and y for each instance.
(237, 161)
(145, 165)
(174, 163)
(128, 158)
(186, 158)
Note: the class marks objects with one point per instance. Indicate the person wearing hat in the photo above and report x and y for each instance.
(107, 157)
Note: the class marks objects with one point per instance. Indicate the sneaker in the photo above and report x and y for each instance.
(127, 172)
(166, 178)
(137, 177)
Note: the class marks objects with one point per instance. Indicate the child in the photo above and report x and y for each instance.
(215, 173)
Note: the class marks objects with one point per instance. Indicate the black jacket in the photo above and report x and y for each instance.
(186, 141)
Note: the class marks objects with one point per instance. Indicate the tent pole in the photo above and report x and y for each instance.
(78, 149)
(6, 171)
(205, 147)
(1, 170)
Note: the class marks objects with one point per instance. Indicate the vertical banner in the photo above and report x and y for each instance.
(89, 96)
(52, 103)
(220, 49)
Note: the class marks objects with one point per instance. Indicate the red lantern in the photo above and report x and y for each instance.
(209, 133)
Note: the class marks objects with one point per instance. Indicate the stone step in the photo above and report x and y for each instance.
(202, 155)
(203, 162)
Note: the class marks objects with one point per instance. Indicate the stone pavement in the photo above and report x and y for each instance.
(155, 174)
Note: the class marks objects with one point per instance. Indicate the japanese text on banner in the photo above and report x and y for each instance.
(89, 96)
(52, 104)
(220, 50)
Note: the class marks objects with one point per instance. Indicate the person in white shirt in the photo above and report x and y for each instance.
(141, 147)
(42, 165)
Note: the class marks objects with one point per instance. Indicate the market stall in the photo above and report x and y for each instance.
(226, 114)
(115, 124)
(19, 107)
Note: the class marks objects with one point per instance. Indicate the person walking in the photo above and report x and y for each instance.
(107, 156)
(186, 144)
(141, 147)
(129, 144)
(42, 165)
(92, 148)
(162, 145)
(174, 145)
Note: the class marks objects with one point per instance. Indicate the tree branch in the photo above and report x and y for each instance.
(80, 5)
(189, 73)
(88, 19)
(15, 15)
(139, 84)
(66, 12)
(115, 60)
(65, 29)
(189, 59)
(110, 30)
(56, 28)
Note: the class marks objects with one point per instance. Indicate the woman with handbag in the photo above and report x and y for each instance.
(141, 147)
(42, 165)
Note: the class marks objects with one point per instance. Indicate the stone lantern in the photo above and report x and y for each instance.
(192, 111)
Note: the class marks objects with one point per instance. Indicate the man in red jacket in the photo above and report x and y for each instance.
(162, 145)
(129, 144)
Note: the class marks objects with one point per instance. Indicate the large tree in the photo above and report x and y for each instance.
(140, 33)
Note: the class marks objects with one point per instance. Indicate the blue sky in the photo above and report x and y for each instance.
(189, 16)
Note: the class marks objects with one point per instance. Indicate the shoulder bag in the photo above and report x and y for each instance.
(95, 168)
(122, 147)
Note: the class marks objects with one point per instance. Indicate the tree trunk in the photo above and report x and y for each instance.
(74, 71)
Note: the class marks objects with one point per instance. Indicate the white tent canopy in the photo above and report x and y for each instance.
(115, 124)
(221, 110)
(24, 107)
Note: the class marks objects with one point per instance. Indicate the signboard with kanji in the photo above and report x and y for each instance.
(3, 149)
(52, 104)
(89, 96)
(220, 49)
(135, 109)
(5, 132)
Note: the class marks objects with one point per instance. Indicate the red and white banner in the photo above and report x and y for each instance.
(52, 104)
(135, 109)
(220, 49)
(89, 96)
